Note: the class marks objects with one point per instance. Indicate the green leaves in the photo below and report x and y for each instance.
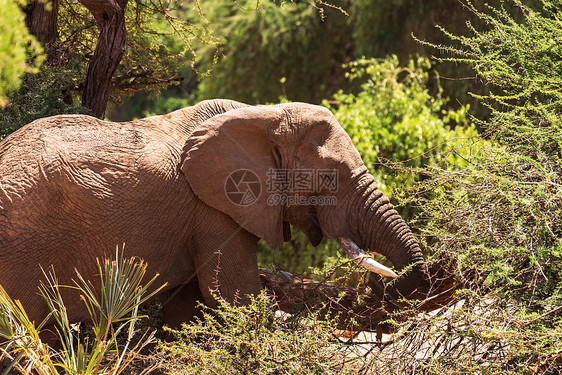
(121, 292)
(506, 202)
(395, 120)
(21, 342)
(20, 52)
(262, 42)
(255, 339)
(497, 220)
(113, 308)
(519, 55)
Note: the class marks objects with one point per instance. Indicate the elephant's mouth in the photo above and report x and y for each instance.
(363, 259)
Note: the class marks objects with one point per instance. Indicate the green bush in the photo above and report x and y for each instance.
(394, 119)
(254, 339)
(499, 217)
(497, 220)
(20, 52)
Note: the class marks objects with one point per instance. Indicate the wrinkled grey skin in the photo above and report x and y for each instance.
(73, 187)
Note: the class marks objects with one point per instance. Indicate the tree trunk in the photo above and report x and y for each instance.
(41, 20)
(110, 16)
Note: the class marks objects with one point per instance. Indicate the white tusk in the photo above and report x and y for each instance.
(363, 259)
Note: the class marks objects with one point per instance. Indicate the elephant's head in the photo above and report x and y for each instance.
(271, 166)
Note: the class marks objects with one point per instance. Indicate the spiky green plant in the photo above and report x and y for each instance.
(113, 308)
(22, 346)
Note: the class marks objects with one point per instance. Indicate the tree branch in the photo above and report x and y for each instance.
(362, 305)
(137, 81)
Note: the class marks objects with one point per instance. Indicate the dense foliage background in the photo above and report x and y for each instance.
(19, 51)
(467, 143)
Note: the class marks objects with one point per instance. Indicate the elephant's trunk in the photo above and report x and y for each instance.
(382, 230)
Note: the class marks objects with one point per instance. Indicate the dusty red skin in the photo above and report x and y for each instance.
(72, 188)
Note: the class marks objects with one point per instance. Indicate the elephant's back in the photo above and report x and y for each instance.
(54, 149)
(65, 135)
(80, 143)
(75, 172)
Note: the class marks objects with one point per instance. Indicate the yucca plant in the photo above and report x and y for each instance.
(23, 345)
(113, 308)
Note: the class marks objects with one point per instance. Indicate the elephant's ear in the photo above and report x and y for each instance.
(227, 162)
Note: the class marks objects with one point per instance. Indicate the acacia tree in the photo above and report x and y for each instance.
(42, 22)
(110, 18)
(122, 45)
(94, 33)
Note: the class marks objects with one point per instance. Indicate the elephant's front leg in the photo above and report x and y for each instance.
(179, 304)
(226, 261)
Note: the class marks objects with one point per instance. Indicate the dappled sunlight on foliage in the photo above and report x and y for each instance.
(394, 119)
(258, 339)
(497, 220)
(20, 52)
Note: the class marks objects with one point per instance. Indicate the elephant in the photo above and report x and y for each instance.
(190, 192)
